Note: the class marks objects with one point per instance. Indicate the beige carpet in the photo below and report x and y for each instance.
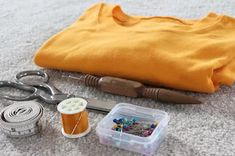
(207, 129)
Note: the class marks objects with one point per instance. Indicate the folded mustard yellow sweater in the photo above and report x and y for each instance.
(196, 55)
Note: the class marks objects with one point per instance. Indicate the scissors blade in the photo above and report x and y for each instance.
(100, 106)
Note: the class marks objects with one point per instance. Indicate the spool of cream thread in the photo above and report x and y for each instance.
(74, 117)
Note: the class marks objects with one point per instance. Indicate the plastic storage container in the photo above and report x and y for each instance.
(145, 145)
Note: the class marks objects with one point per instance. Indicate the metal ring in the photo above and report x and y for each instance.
(32, 73)
(27, 88)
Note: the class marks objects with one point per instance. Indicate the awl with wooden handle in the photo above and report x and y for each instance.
(135, 89)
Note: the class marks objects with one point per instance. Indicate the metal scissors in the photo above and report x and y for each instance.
(52, 96)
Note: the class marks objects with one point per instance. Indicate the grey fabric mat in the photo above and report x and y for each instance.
(207, 129)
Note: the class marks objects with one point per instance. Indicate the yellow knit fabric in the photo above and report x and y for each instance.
(196, 55)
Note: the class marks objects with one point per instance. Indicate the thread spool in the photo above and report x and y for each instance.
(74, 117)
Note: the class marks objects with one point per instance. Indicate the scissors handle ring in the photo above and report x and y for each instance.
(32, 73)
(16, 85)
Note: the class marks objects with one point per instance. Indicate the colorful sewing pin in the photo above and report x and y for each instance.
(134, 126)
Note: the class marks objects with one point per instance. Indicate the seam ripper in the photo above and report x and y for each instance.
(134, 89)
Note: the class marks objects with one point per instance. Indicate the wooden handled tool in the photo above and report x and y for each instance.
(135, 89)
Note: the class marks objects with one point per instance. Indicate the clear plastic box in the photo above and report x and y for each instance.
(144, 145)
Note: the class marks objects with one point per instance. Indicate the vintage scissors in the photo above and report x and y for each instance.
(52, 96)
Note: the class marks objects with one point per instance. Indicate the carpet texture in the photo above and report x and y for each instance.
(207, 129)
